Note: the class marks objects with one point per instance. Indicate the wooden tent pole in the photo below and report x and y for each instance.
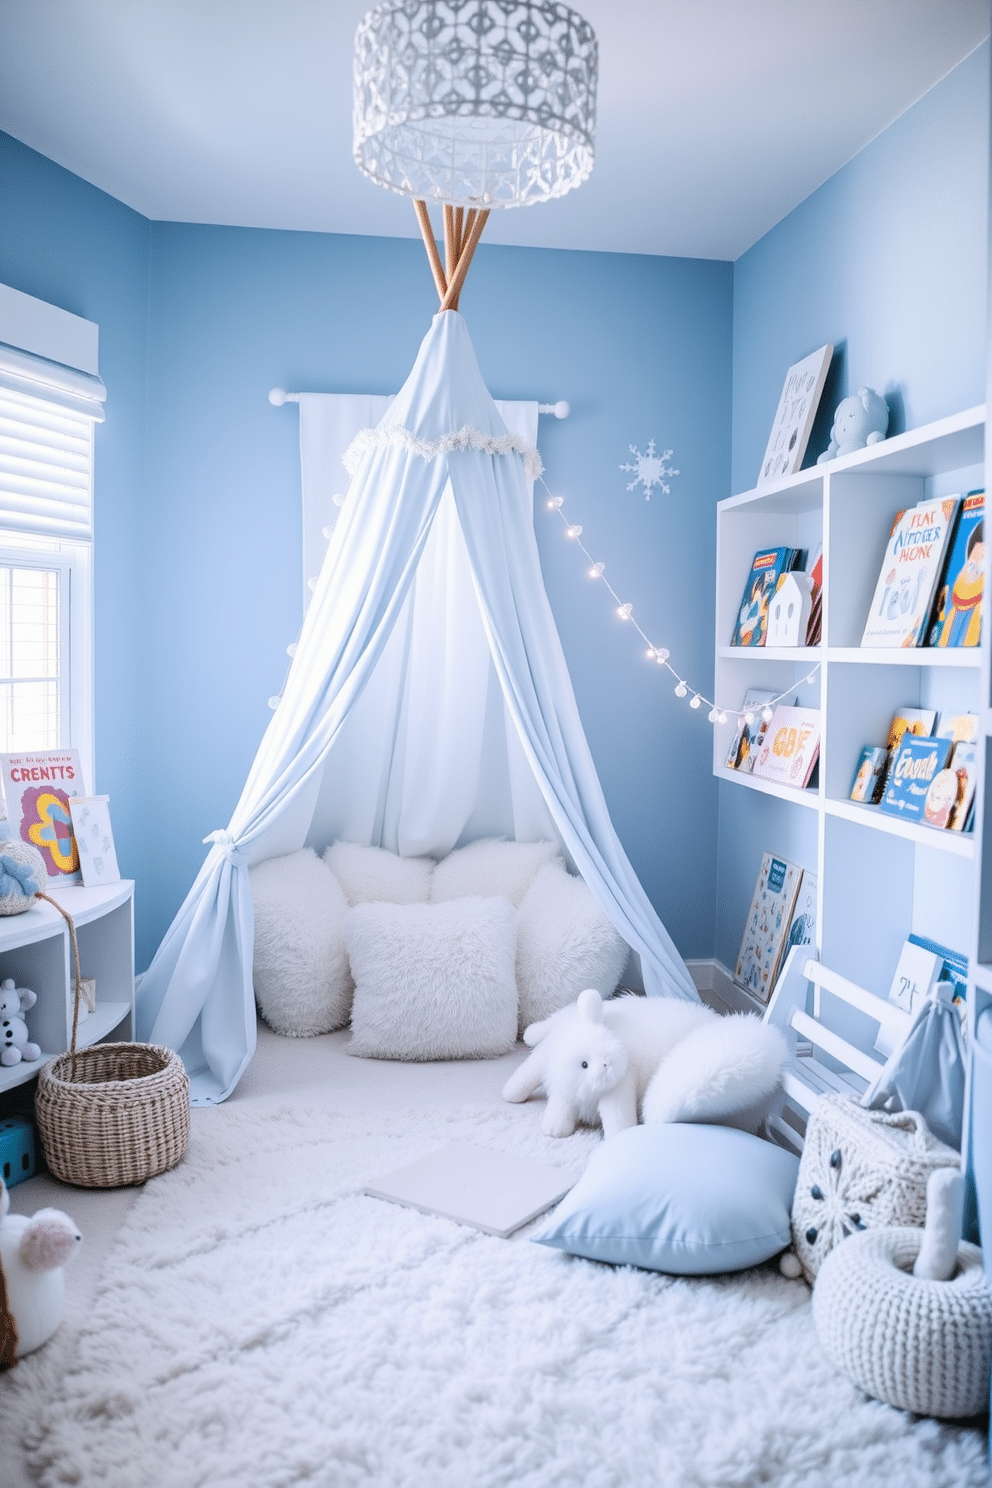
(450, 243)
(449, 300)
(459, 232)
(427, 232)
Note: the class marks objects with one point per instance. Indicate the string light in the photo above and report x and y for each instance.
(661, 654)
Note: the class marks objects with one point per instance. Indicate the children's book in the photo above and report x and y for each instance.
(917, 764)
(910, 721)
(802, 930)
(767, 926)
(941, 799)
(814, 624)
(36, 789)
(916, 973)
(744, 749)
(953, 969)
(94, 839)
(914, 555)
(964, 768)
(958, 727)
(790, 748)
(767, 567)
(869, 778)
(956, 616)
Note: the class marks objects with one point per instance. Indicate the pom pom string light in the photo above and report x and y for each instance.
(660, 655)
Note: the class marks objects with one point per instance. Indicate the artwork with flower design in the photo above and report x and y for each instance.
(650, 470)
(47, 822)
(36, 790)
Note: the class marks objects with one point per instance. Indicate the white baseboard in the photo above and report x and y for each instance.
(716, 986)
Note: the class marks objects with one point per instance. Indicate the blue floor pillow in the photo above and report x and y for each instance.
(686, 1199)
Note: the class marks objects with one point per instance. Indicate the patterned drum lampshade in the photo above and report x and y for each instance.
(475, 103)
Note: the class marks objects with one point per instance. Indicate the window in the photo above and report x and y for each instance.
(47, 415)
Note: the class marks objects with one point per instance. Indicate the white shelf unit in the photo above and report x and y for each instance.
(878, 878)
(35, 950)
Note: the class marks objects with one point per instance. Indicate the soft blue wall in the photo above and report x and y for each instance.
(639, 346)
(198, 502)
(65, 242)
(888, 261)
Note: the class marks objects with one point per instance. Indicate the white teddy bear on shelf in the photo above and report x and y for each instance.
(33, 1251)
(649, 1058)
(14, 1042)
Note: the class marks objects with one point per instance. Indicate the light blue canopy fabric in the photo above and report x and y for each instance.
(197, 995)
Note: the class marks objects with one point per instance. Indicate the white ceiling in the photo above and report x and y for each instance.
(716, 117)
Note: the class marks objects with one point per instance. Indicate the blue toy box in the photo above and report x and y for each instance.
(16, 1149)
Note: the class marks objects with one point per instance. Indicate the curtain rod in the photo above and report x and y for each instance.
(278, 396)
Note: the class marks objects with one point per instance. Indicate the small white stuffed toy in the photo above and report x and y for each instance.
(661, 1058)
(33, 1252)
(15, 1044)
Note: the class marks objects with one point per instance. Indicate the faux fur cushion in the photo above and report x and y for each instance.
(565, 943)
(373, 875)
(302, 982)
(490, 867)
(433, 981)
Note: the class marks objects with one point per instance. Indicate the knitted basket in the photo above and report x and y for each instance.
(860, 1170)
(922, 1346)
(112, 1114)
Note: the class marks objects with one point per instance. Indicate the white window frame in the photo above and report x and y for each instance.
(50, 357)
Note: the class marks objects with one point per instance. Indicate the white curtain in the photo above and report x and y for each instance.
(429, 755)
(442, 440)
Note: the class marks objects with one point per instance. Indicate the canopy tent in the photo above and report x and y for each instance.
(440, 457)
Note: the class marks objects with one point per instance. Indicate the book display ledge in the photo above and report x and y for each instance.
(35, 950)
(879, 878)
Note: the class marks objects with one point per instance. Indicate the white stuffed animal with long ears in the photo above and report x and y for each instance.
(33, 1252)
(652, 1058)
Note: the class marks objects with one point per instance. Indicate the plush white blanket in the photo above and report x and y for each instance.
(262, 1324)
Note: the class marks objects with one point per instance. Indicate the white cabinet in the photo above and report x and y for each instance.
(35, 950)
(878, 878)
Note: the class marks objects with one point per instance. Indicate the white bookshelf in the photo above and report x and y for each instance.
(35, 950)
(878, 878)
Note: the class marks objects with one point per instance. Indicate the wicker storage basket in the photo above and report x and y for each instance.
(860, 1170)
(112, 1114)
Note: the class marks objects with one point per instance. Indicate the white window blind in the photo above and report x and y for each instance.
(46, 468)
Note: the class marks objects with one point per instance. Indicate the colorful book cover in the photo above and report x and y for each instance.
(790, 748)
(958, 727)
(964, 768)
(36, 789)
(920, 721)
(743, 751)
(767, 926)
(814, 625)
(917, 764)
(767, 567)
(914, 555)
(954, 968)
(869, 778)
(956, 618)
(94, 839)
(916, 972)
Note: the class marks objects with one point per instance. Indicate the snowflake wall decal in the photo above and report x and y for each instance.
(651, 469)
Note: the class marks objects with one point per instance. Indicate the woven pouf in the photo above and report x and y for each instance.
(923, 1346)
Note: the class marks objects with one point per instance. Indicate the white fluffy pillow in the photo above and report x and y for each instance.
(565, 943)
(491, 868)
(433, 981)
(302, 982)
(373, 875)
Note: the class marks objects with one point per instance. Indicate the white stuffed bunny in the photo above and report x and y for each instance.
(672, 1060)
(32, 1253)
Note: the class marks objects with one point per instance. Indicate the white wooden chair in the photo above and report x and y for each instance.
(821, 1058)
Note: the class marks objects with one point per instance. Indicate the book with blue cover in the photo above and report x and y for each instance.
(917, 764)
(956, 618)
(767, 567)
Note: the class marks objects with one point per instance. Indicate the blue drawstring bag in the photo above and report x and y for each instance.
(926, 1073)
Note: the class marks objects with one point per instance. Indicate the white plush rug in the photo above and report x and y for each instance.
(261, 1324)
